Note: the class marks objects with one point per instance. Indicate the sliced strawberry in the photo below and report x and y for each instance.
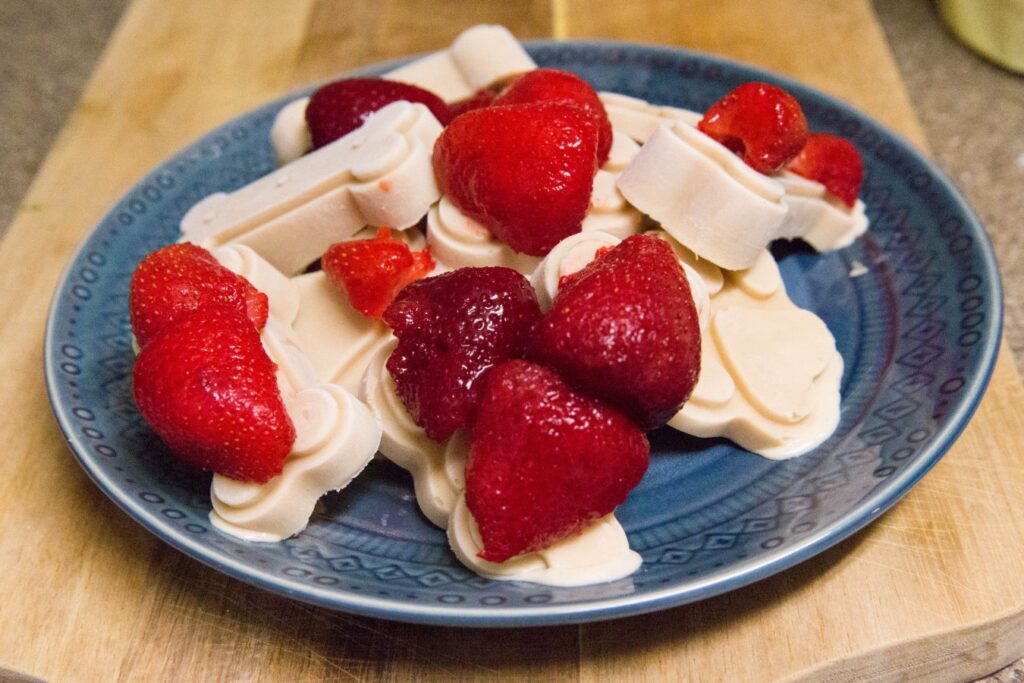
(451, 329)
(545, 461)
(181, 278)
(208, 389)
(552, 85)
(481, 98)
(832, 161)
(370, 273)
(760, 122)
(625, 330)
(524, 171)
(340, 107)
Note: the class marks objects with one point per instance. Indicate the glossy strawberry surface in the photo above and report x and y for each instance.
(370, 273)
(545, 461)
(451, 329)
(832, 161)
(181, 278)
(760, 122)
(524, 171)
(208, 389)
(625, 330)
(554, 85)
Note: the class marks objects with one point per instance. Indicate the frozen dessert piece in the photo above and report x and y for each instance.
(596, 554)
(289, 136)
(338, 340)
(815, 215)
(479, 57)
(380, 174)
(457, 241)
(639, 119)
(336, 436)
(705, 196)
(770, 371)
(437, 469)
(609, 212)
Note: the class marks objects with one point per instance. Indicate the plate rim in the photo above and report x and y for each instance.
(730, 578)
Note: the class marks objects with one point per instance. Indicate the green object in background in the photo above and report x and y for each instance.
(994, 28)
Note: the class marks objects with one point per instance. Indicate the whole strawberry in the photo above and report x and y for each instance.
(181, 278)
(553, 85)
(625, 330)
(208, 389)
(760, 122)
(832, 161)
(451, 329)
(545, 461)
(524, 171)
(340, 107)
(371, 272)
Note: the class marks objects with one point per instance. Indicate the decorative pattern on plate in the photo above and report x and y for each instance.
(918, 333)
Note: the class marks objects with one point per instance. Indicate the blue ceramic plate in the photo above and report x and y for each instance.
(918, 332)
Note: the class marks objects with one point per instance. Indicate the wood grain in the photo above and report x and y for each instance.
(87, 594)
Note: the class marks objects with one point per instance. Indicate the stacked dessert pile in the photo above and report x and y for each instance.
(499, 279)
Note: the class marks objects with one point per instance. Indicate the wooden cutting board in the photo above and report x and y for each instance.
(932, 591)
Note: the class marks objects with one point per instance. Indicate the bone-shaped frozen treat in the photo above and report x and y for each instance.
(598, 554)
(458, 241)
(705, 196)
(336, 436)
(770, 371)
(479, 57)
(379, 174)
(639, 119)
(821, 219)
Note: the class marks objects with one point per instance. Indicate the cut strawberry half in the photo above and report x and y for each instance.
(545, 461)
(832, 161)
(209, 390)
(760, 122)
(523, 171)
(370, 273)
(625, 330)
(182, 278)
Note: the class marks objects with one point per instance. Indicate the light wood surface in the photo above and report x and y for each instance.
(932, 591)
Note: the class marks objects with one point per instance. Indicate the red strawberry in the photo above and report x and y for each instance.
(479, 99)
(451, 329)
(208, 389)
(371, 272)
(181, 278)
(339, 108)
(552, 85)
(524, 171)
(625, 330)
(832, 161)
(545, 461)
(760, 122)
